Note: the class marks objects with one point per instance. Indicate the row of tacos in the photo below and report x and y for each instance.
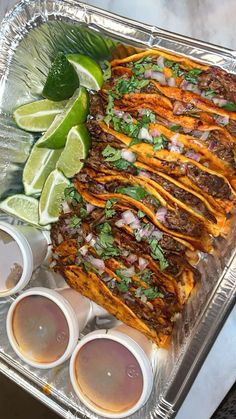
(157, 188)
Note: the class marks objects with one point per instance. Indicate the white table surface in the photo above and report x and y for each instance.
(213, 21)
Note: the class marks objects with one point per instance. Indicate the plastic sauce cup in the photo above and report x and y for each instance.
(22, 250)
(43, 325)
(111, 371)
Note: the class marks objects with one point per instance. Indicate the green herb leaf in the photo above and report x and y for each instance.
(152, 293)
(210, 93)
(141, 214)
(111, 154)
(83, 212)
(72, 195)
(146, 275)
(176, 70)
(75, 221)
(175, 128)
(104, 247)
(109, 109)
(192, 75)
(125, 281)
(106, 70)
(230, 106)
(128, 86)
(109, 211)
(135, 192)
(157, 253)
(159, 142)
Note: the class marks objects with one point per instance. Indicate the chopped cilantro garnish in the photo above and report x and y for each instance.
(109, 211)
(135, 192)
(128, 86)
(159, 142)
(157, 253)
(177, 71)
(75, 221)
(125, 281)
(105, 247)
(141, 214)
(83, 212)
(192, 75)
(109, 109)
(230, 106)
(175, 127)
(146, 275)
(89, 267)
(149, 293)
(72, 195)
(111, 154)
(107, 70)
(210, 93)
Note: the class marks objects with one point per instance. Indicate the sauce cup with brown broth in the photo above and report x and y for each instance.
(111, 371)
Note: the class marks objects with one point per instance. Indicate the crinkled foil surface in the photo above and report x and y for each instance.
(30, 36)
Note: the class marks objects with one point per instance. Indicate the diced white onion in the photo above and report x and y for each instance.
(193, 156)
(148, 74)
(128, 217)
(118, 113)
(155, 133)
(171, 82)
(97, 263)
(204, 136)
(65, 207)
(161, 214)
(128, 272)
(132, 258)
(120, 223)
(161, 62)
(135, 225)
(144, 174)
(160, 77)
(175, 148)
(219, 102)
(88, 237)
(157, 234)
(89, 208)
(175, 138)
(142, 263)
(52, 264)
(128, 155)
(144, 134)
(222, 120)
(84, 250)
(143, 298)
(184, 84)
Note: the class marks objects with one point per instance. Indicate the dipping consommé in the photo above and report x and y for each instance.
(11, 262)
(40, 329)
(109, 375)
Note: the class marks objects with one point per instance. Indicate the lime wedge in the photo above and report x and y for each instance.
(74, 113)
(38, 116)
(89, 72)
(52, 197)
(39, 165)
(62, 79)
(23, 207)
(77, 146)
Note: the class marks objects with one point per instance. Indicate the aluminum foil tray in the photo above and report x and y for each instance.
(30, 36)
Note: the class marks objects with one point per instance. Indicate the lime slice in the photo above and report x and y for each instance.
(74, 113)
(39, 165)
(77, 146)
(89, 72)
(62, 79)
(52, 197)
(38, 116)
(23, 207)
